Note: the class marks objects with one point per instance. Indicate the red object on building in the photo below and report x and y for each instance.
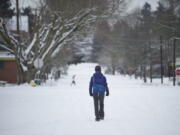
(178, 72)
(8, 69)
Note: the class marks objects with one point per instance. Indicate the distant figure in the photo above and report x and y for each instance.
(97, 88)
(73, 80)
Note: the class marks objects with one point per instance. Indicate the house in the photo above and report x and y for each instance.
(8, 67)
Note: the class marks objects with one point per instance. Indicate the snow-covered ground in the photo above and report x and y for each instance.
(133, 108)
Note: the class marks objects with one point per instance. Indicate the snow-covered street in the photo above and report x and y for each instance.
(133, 108)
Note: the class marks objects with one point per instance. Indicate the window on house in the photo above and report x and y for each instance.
(1, 64)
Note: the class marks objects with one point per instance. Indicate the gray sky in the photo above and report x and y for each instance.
(134, 3)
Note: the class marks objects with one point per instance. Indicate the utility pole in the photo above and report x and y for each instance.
(174, 61)
(174, 49)
(17, 19)
(161, 59)
(150, 51)
(19, 76)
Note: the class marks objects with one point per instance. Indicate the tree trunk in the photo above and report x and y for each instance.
(113, 70)
(19, 72)
(31, 73)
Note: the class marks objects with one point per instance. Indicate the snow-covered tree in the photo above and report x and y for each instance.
(59, 22)
(50, 36)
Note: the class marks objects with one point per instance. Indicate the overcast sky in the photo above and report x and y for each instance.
(135, 3)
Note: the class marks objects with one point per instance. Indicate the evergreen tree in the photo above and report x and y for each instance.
(5, 9)
(27, 11)
(146, 11)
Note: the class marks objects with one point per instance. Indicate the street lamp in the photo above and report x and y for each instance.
(174, 61)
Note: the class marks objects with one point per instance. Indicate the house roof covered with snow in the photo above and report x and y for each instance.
(4, 55)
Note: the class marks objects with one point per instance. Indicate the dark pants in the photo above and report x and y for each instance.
(99, 105)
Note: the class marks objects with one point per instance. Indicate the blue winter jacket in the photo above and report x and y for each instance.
(98, 79)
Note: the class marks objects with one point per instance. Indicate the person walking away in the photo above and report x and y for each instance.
(97, 89)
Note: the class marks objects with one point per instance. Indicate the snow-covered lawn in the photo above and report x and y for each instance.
(133, 108)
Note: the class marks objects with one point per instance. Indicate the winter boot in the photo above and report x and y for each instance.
(97, 119)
